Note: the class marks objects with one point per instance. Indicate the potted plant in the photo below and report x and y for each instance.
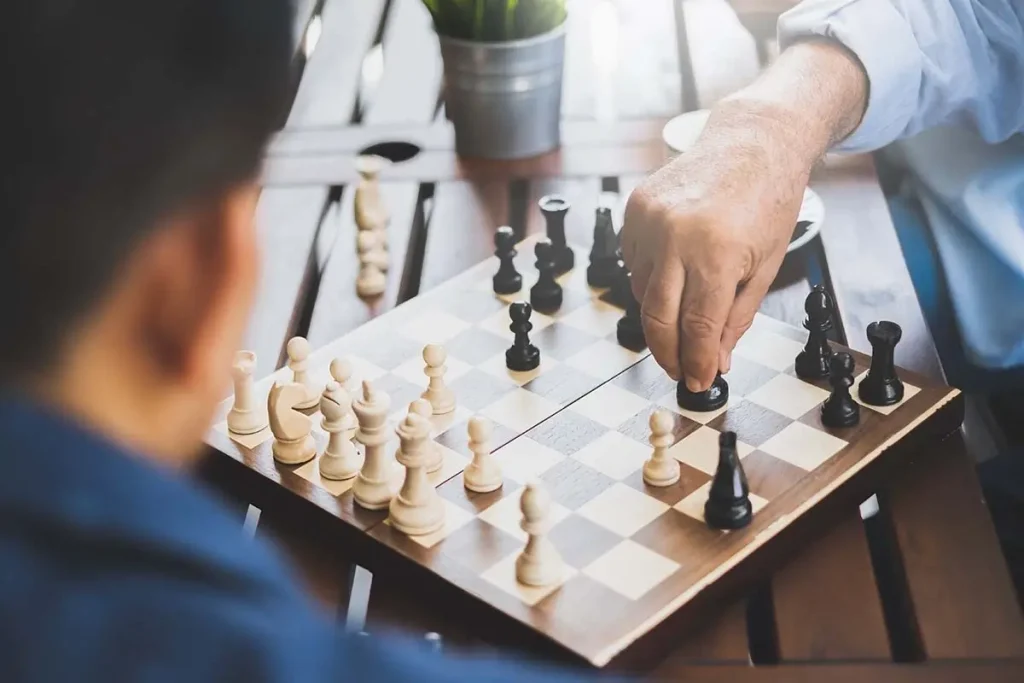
(503, 63)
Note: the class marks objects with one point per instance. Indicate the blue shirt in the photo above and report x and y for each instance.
(113, 569)
(947, 85)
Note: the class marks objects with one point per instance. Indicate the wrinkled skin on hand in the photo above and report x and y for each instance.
(704, 237)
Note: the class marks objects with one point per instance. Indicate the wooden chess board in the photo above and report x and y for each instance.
(638, 559)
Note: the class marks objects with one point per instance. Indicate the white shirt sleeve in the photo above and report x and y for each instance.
(929, 63)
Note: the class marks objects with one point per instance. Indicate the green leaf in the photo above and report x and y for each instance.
(495, 20)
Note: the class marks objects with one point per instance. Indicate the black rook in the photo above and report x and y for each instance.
(882, 386)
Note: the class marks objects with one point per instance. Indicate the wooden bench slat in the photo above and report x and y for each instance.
(286, 221)
(330, 82)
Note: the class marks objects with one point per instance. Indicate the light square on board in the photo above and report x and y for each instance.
(454, 519)
(599, 318)
(603, 359)
(503, 576)
(250, 441)
(561, 384)
(433, 327)
(520, 409)
(574, 484)
(614, 455)
(496, 367)
(474, 346)
(700, 450)
(523, 459)
(412, 371)
(476, 389)
(768, 349)
(803, 446)
(609, 405)
(622, 509)
(693, 505)
(788, 396)
(363, 369)
(506, 515)
(630, 569)
(562, 341)
(909, 391)
(566, 432)
(310, 471)
(498, 324)
(470, 305)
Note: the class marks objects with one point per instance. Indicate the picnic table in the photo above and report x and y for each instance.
(914, 577)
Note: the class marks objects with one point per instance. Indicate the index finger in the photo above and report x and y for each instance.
(702, 317)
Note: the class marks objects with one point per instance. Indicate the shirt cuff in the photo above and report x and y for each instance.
(883, 41)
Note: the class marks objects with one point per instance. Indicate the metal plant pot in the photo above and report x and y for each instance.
(505, 98)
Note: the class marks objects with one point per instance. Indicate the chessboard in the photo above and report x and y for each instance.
(576, 432)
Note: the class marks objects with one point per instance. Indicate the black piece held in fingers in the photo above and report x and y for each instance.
(546, 295)
(604, 250)
(882, 386)
(522, 356)
(703, 401)
(839, 409)
(507, 280)
(813, 361)
(728, 506)
(554, 207)
(630, 329)
(621, 286)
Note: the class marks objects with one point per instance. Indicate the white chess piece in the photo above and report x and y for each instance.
(370, 212)
(298, 361)
(442, 399)
(247, 415)
(341, 372)
(483, 475)
(293, 442)
(370, 281)
(435, 458)
(372, 489)
(417, 509)
(340, 460)
(539, 564)
(661, 469)
(372, 248)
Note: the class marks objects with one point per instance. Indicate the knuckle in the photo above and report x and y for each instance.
(698, 326)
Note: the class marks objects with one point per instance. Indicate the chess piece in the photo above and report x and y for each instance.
(340, 460)
(621, 285)
(882, 386)
(630, 329)
(371, 488)
(728, 505)
(507, 280)
(298, 361)
(370, 212)
(554, 207)
(522, 356)
(813, 361)
(539, 564)
(435, 459)
(369, 244)
(546, 295)
(839, 409)
(661, 469)
(247, 415)
(703, 401)
(370, 282)
(442, 399)
(603, 257)
(417, 509)
(293, 441)
(341, 372)
(483, 475)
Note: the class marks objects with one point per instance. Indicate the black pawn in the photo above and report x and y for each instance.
(630, 329)
(546, 295)
(522, 356)
(728, 506)
(554, 207)
(813, 361)
(839, 409)
(604, 251)
(703, 401)
(882, 386)
(506, 280)
(621, 286)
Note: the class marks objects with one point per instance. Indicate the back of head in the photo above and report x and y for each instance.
(117, 115)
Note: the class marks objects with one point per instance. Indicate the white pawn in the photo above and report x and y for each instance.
(298, 362)
(247, 415)
(372, 249)
(340, 460)
(483, 475)
(442, 399)
(417, 509)
(293, 443)
(661, 469)
(539, 564)
(370, 281)
(370, 212)
(341, 372)
(435, 459)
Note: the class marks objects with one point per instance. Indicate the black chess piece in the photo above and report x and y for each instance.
(546, 295)
(813, 361)
(507, 280)
(728, 506)
(554, 207)
(621, 286)
(839, 409)
(703, 401)
(630, 329)
(882, 386)
(604, 251)
(522, 356)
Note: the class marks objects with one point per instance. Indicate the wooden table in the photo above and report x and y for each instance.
(920, 581)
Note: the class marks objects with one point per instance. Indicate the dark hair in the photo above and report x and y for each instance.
(118, 113)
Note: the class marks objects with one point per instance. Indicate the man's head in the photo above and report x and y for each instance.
(132, 140)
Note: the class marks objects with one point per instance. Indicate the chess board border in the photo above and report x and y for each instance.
(851, 486)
